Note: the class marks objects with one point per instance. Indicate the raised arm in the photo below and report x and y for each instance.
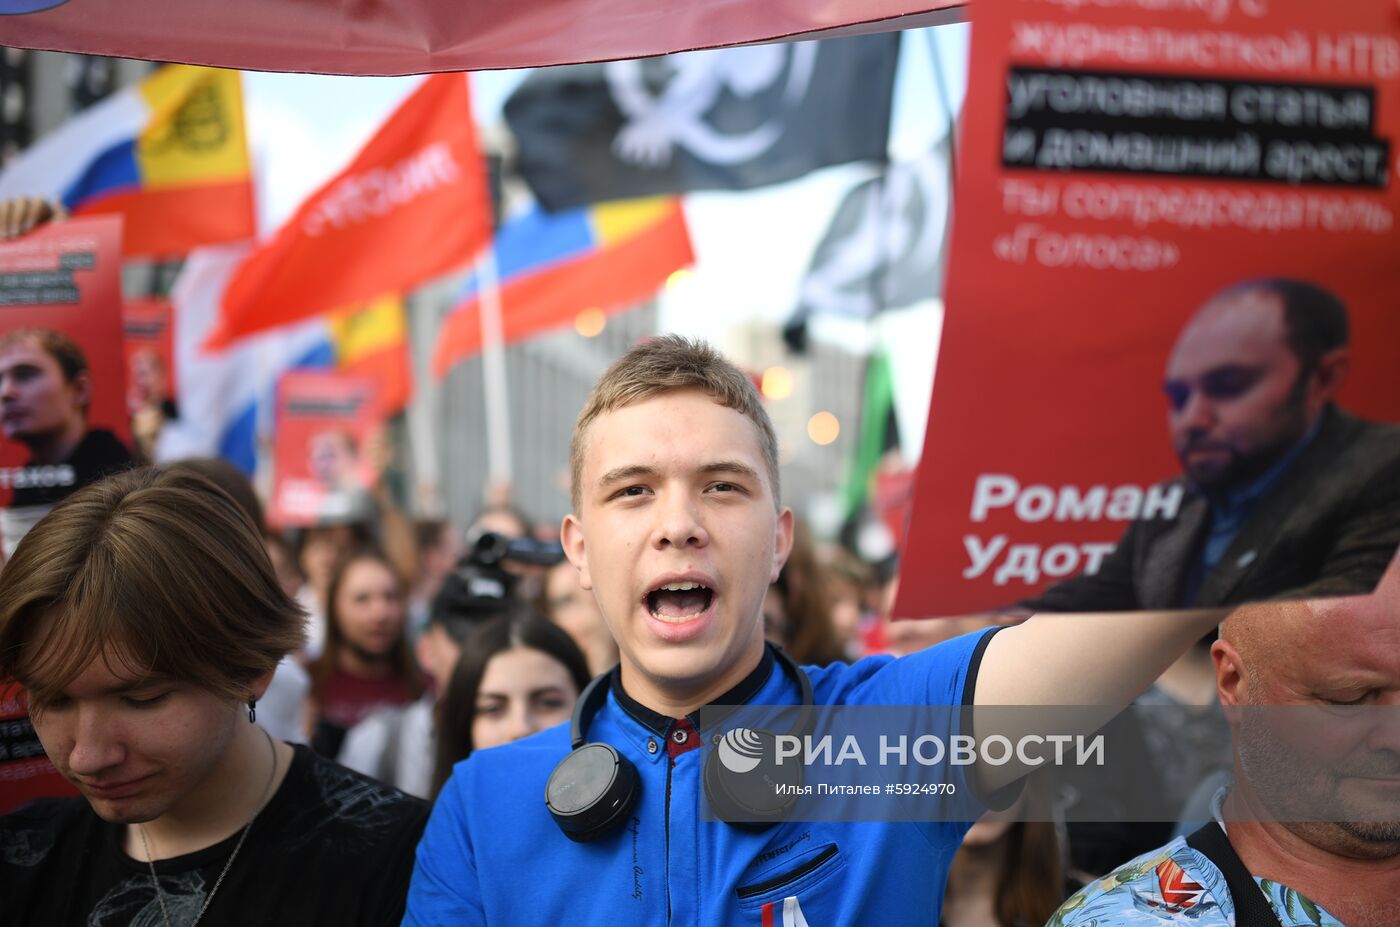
(1102, 659)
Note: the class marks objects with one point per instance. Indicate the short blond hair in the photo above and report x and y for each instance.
(667, 364)
(161, 568)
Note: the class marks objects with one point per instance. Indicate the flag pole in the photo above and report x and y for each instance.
(493, 369)
(493, 358)
(422, 437)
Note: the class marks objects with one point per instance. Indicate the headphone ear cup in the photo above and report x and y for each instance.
(590, 790)
(759, 794)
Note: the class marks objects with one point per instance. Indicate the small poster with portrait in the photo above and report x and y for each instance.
(63, 410)
(148, 338)
(1169, 375)
(328, 426)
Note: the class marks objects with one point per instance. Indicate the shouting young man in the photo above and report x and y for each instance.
(678, 529)
(144, 619)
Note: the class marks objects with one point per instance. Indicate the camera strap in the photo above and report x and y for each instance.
(1252, 909)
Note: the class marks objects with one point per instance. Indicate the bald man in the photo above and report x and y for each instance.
(1284, 494)
(1313, 816)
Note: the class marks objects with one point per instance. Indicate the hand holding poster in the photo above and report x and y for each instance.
(63, 411)
(1168, 371)
(327, 425)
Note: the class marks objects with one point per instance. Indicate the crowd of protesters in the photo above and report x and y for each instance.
(425, 642)
(403, 676)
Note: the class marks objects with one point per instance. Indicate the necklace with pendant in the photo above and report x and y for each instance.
(160, 894)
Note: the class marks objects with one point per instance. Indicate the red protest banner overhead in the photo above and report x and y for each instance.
(1170, 350)
(422, 36)
(413, 205)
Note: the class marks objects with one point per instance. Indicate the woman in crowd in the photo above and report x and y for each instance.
(317, 551)
(366, 663)
(518, 674)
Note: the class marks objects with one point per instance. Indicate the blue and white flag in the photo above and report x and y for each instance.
(226, 396)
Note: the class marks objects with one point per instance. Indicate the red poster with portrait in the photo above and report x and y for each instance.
(25, 771)
(1170, 367)
(328, 430)
(148, 339)
(63, 417)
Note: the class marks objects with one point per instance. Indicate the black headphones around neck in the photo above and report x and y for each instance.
(595, 787)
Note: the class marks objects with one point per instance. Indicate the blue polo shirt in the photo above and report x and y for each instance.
(491, 853)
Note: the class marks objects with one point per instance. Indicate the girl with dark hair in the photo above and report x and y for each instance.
(518, 674)
(366, 663)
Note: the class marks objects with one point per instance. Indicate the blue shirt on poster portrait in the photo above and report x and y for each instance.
(491, 853)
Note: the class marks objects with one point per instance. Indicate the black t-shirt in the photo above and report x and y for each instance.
(331, 847)
(99, 454)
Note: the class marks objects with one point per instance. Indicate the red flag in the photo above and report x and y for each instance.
(412, 206)
(612, 273)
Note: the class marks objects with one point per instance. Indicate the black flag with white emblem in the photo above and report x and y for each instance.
(725, 119)
(884, 248)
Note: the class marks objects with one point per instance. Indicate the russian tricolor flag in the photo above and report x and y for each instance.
(553, 266)
(169, 154)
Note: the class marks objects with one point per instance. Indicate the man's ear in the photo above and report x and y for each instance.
(1327, 377)
(1231, 681)
(258, 687)
(782, 543)
(575, 548)
(82, 390)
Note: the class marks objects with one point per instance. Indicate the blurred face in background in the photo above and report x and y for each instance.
(147, 386)
(522, 691)
(574, 609)
(333, 461)
(369, 609)
(322, 548)
(36, 401)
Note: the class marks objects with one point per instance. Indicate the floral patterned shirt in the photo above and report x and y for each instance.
(1177, 885)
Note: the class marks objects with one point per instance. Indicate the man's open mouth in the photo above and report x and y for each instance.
(678, 602)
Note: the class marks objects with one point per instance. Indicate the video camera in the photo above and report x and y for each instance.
(492, 549)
